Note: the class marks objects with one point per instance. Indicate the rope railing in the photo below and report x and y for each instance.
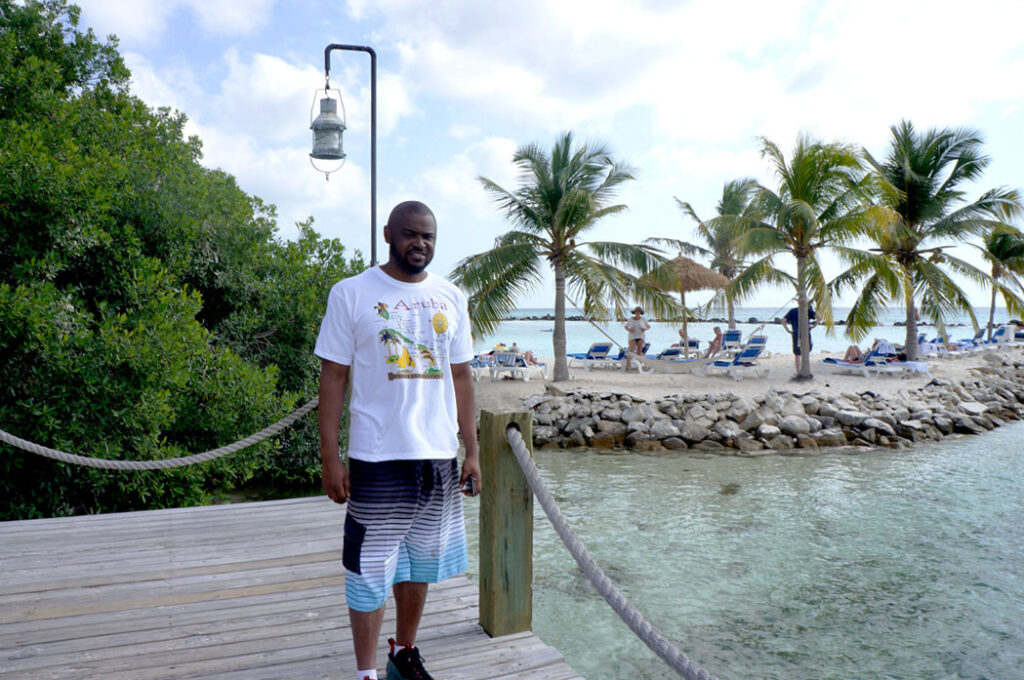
(113, 464)
(657, 642)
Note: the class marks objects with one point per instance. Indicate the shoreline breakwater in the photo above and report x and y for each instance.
(780, 420)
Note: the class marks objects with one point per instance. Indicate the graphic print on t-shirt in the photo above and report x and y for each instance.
(412, 358)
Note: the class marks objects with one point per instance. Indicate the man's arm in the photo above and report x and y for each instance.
(334, 475)
(465, 404)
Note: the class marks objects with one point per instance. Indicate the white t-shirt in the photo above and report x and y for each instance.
(636, 328)
(400, 340)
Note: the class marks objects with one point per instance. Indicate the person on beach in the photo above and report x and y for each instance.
(406, 334)
(636, 327)
(715, 346)
(528, 356)
(791, 322)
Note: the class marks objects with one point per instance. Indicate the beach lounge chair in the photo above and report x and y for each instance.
(743, 364)
(875, 363)
(636, 360)
(672, 360)
(732, 341)
(595, 356)
(513, 363)
(480, 365)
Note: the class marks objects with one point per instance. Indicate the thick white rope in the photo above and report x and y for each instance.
(668, 652)
(109, 464)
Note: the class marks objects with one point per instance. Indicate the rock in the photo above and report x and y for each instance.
(727, 429)
(674, 444)
(792, 407)
(851, 418)
(879, 425)
(973, 408)
(544, 434)
(637, 426)
(612, 427)
(663, 429)
(827, 409)
(830, 436)
(550, 389)
(965, 425)
(635, 438)
(748, 445)
(692, 433)
(768, 432)
(781, 443)
(794, 425)
(707, 445)
(806, 441)
(603, 440)
(944, 424)
(753, 420)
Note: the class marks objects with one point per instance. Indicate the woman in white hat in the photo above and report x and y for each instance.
(636, 326)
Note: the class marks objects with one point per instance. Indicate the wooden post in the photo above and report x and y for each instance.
(506, 527)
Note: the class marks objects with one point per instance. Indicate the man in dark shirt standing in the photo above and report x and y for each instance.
(791, 322)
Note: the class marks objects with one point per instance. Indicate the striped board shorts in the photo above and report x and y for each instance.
(404, 523)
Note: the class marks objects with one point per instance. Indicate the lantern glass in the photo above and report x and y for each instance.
(327, 132)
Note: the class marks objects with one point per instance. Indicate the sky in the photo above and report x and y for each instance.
(680, 91)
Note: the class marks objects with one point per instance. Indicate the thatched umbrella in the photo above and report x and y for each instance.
(692, 276)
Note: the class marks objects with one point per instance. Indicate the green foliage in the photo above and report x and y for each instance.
(919, 183)
(819, 204)
(147, 310)
(561, 197)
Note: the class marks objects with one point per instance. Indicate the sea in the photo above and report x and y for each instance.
(536, 335)
(866, 564)
(846, 563)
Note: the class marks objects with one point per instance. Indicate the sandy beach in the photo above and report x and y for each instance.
(507, 394)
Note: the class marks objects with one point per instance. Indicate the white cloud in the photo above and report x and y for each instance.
(138, 22)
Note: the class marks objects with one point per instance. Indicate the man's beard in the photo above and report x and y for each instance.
(403, 263)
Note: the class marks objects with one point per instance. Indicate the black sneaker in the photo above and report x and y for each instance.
(406, 664)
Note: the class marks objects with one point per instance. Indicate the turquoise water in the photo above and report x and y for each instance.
(879, 564)
(536, 335)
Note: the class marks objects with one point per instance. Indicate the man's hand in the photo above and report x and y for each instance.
(334, 479)
(470, 468)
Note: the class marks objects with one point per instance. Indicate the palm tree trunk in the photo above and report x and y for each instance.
(910, 346)
(991, 313)
(731, 307)
(558, 337)
(802, 316)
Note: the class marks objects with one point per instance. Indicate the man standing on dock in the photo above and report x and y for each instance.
(401, 335)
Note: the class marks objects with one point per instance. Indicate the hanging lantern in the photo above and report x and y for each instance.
(327, 128)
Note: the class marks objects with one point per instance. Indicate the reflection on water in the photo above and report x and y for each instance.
(877, 564)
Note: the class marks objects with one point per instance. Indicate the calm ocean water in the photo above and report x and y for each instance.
(882, 564)
(536, 335)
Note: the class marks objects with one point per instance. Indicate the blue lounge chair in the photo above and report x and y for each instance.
(636, 361)
(743, 364)
(595, 356)
(731, 341)
(874, 363)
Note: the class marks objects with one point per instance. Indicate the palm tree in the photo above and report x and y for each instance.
(736, 209)
(1004, 250)
(919, 183)
(560, 197)
(818, 204)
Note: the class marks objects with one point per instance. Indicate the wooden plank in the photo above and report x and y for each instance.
(247, 592)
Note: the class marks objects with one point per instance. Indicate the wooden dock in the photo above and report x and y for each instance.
(253, 591)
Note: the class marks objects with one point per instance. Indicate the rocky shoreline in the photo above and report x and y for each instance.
(780, 420)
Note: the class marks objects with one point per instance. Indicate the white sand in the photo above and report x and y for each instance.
(506, 394)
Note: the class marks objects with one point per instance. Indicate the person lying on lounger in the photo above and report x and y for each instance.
(854, 355)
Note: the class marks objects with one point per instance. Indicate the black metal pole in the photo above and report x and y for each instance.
(373, 132)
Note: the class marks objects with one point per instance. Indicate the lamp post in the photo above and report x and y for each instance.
(328, 128)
